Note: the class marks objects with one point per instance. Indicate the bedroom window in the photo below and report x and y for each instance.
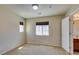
(21, 27)
(42, 28)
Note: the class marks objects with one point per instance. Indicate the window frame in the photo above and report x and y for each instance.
(42, 30)
(21, 27)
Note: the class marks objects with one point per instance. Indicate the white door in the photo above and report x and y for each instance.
(65, 34)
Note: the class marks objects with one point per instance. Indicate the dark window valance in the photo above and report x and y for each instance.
(21, 23)
(42, 23)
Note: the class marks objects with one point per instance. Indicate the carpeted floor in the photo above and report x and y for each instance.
(29, 49)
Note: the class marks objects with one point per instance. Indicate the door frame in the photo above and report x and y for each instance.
(71, 30)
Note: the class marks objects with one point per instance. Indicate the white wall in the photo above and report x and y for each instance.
(54, 38)
(65, 34)
(10, 37)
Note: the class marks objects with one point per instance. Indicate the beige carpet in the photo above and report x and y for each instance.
(29, 49)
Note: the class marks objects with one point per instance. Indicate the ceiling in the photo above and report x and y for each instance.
(26, 11)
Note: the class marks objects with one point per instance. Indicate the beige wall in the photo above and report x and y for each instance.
(10, 37)
(54, 38)
(76, 29)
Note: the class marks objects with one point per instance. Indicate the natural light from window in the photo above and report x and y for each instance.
(42, 30)
(21, 28)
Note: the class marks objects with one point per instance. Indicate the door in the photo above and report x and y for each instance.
(65, 34)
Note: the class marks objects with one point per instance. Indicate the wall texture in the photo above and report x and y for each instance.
(10, 37)
(54, 38)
